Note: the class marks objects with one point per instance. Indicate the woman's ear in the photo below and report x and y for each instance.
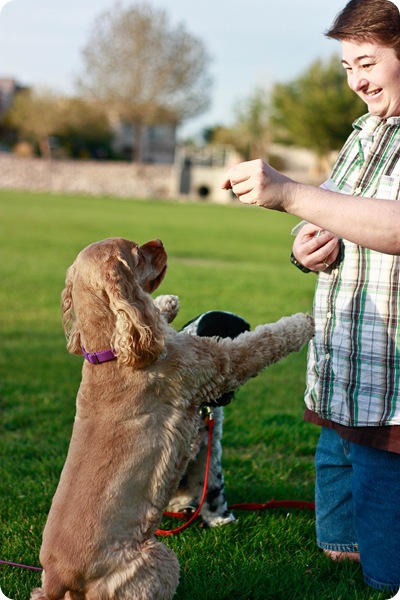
(70, 325)
(138, 338)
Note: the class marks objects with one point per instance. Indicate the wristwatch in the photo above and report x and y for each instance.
(297, 264)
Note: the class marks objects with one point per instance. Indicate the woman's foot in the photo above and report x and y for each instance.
(339, 556)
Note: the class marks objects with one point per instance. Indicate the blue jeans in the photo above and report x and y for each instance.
(357, 499)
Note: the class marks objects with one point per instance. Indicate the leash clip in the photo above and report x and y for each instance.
(209, 420)
(209, 413)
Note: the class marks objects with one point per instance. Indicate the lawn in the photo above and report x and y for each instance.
(232, 258)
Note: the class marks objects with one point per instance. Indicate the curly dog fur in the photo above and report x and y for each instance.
(135, 419)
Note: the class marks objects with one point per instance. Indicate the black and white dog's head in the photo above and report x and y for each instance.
(221, 324)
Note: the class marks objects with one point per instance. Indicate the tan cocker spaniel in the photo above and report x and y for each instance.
(136, 415)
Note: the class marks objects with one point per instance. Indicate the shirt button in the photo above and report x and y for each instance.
(357, 190)
(329, 315)
(327, 356)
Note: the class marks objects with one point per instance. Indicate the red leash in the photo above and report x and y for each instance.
(274, 504)
(210, 424)
(244, 506)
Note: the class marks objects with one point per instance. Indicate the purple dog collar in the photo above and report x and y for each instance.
(95, 358)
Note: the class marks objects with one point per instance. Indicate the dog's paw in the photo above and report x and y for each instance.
(307, 324)
(168, 306)
(217, 521)
(38, 594)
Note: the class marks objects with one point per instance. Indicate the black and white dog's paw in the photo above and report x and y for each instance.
(212, 516)
(211, 520)
(168, 305)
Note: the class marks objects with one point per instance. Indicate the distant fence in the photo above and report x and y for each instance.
(96, 178)
(122, 179)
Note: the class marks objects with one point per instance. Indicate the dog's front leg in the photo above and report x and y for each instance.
(168, 306)
(251, 352)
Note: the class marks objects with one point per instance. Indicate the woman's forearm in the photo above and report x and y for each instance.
(369, 222)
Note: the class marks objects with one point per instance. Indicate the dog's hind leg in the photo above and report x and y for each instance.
(38, 594)
(215, 510)
(153, 574)
(188, 496)
(52, 589)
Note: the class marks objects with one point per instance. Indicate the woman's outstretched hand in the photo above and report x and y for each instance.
(256, 182)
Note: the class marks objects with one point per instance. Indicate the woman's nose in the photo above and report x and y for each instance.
(357, 82)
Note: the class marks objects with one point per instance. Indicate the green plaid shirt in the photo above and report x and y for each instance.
(353, 373)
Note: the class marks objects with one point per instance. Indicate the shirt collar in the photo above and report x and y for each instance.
(368, 123)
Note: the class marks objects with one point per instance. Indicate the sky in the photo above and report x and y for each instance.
(251, 43)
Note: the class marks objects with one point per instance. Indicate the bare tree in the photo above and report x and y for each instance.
(145, 69)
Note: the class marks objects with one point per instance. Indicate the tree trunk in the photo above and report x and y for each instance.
(44, 147)
(139, 130)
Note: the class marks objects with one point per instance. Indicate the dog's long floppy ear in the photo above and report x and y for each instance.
(68, 315)
(138, 338)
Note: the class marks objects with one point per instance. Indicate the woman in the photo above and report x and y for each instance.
(353, 373)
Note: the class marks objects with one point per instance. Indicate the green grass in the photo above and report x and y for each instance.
(224, 257)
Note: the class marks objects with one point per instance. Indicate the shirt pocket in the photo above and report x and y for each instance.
(388, 188)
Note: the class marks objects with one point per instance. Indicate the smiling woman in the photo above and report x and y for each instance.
(373, 73)
(353, 363)
(371, 55)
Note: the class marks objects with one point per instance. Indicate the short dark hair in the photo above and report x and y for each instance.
(366, 21)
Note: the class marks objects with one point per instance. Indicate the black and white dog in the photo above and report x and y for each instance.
(188, 495)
